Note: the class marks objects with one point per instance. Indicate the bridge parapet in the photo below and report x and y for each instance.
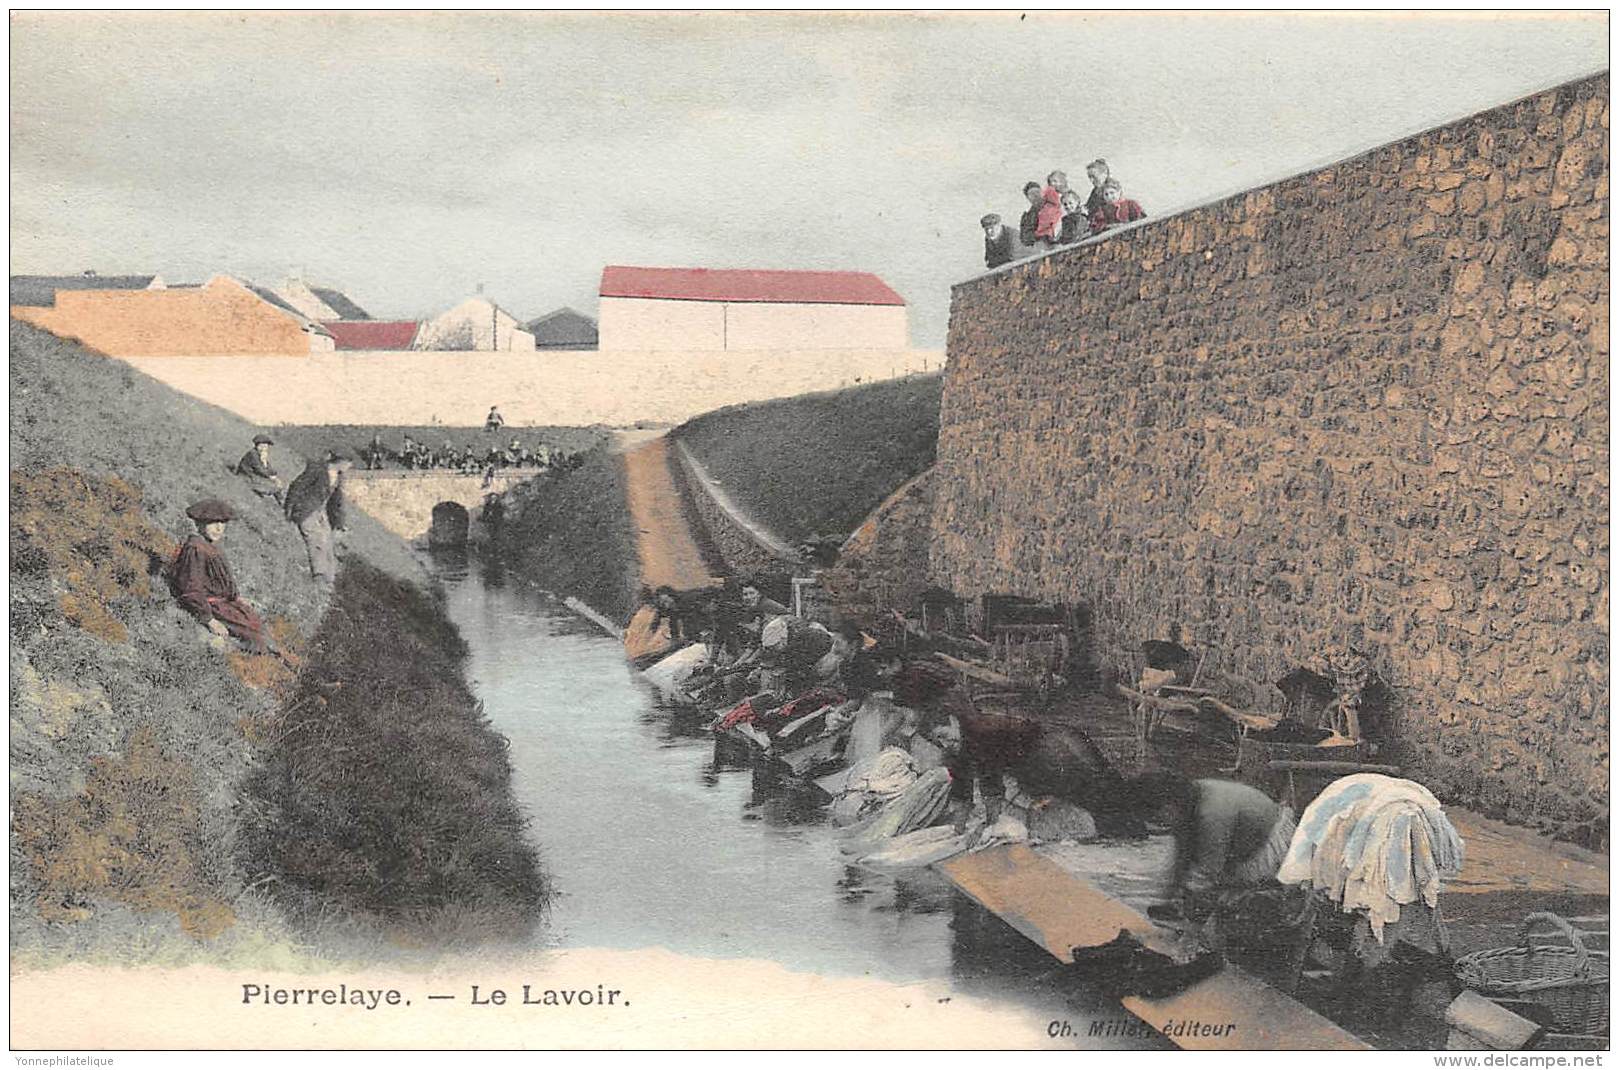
(402, 500)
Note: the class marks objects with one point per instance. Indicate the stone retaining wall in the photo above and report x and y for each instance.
(739, 552)
(884, 565)
(1365, 406)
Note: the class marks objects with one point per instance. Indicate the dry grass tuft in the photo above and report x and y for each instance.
(90, 536)
(130, 837)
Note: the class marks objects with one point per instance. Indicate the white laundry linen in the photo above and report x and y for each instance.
(1373, 843)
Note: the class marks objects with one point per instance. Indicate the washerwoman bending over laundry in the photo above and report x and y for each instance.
(1228, 836)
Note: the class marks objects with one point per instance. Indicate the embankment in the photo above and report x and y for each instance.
(139, 828)
(1362, 407)
(571, 532)
(820, 463)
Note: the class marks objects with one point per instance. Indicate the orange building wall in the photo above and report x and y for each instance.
(221, 318)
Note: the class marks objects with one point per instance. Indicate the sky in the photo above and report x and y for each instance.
(408, 159)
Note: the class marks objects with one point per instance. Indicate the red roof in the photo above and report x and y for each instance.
(372, 334)
(784, 287)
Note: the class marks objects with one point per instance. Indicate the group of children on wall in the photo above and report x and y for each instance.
(1057, 216)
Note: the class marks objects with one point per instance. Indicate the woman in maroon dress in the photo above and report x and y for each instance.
(202, 582)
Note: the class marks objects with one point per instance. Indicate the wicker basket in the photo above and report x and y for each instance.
(1570, 982)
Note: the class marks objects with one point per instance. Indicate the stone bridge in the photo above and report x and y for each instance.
(403, 500)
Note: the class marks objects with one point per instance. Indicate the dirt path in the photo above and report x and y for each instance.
(668, 552)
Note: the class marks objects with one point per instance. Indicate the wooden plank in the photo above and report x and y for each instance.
(1045, 902)
(751, 735)
(1157, 702)
(1061, 911)
(1246, 718)
(834, 784)
(977, 672)
(1284, 765)
(806, 758)
(1491, 1023)
(786, 732)
(1245, 1012)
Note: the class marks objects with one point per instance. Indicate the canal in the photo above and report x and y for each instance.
(652, 841)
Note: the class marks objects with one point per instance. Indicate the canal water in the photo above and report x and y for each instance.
(653, 841)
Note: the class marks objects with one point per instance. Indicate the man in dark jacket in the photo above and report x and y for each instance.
(202, 582)
(315, 504)
(255, 467)
(997, 241)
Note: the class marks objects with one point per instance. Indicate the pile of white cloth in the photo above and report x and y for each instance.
(1373, 843)
(669, 674)
(918, 806)
(872, 784)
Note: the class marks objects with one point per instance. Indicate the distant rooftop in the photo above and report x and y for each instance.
(39, 291)
(339, 302)
(562, 329)
(372, 334)
(266, 294)
(747, 285)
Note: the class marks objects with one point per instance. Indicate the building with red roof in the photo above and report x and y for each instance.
(372, 334)
(703, 308)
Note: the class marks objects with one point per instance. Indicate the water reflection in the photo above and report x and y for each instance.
(656, 834)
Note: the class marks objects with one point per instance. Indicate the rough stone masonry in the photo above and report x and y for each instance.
(1366, 405)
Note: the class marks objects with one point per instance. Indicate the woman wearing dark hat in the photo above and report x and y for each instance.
(202, 582)
(255, 466)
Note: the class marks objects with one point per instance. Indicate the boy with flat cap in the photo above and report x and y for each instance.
(315, 504)
(255, 467)
(202, 582)
(997, 241)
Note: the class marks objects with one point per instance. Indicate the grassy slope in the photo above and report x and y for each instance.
(132, 739)
(818, 464)
(570, 533)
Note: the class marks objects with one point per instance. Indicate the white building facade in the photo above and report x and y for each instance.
(475, 324)
(705, 309)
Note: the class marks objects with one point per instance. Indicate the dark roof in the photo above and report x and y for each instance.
(39, 291)
(781, 287)
(339, 302)
(372, 334)
(269, 295)
(563, 329)
(274, 298)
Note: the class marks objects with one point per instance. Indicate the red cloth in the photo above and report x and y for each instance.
(1050, 221)
(742, 713)
(1111, 215)
(816, 698)
(203, 585)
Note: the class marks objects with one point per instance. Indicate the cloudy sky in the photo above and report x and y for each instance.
(409, 158)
